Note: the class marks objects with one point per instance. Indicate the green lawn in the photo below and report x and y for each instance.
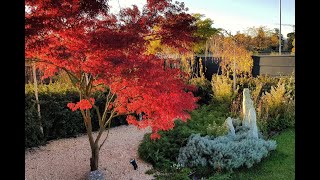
(280, 165)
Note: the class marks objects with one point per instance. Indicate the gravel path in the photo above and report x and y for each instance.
(68, 159)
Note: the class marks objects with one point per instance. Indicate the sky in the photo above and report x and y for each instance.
(235, 15)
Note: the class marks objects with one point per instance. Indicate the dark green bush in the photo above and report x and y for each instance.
(163, 153)
(176, 174)
(204, 90)
(222, 89)
(57, 119)
(33, 135)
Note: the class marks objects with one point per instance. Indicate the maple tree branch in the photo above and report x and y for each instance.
(108, 103)
(109, 119)
(82, 87)
(63, 68)
(105, 137)
(89, 83)
(108, 94)
(97, 110)
(83, 115)
(121, 114)
(104, 115)
(103, 128)
(88, 128)
(97, 85)
(98, 113)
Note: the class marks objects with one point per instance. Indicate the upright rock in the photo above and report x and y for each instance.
(247, 104)
(230, 126)
(253, 123)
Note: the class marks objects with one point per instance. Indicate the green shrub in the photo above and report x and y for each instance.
(256, 92)
(222, 88)
(252, 82)
(274, 100)
(181, 174)
(221, 176)
(33, 135)
(163, 153)
(224, 152)
(276, 109)
(204, 89)
(57, 119)
(216, 129)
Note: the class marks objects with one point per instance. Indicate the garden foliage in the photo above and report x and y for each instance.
(57, 120)
(222, 89)
(203, 89)
(224, 152)
(274, 100)
(209, 136)
(163, 152)
(276, 109)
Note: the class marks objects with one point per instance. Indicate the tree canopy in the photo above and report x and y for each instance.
(104, 51)
(204, 31)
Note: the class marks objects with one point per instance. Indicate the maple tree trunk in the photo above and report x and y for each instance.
(94, 160)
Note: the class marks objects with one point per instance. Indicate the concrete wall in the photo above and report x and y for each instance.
(273, 65)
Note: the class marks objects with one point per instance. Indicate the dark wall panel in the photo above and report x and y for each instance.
(262, 65)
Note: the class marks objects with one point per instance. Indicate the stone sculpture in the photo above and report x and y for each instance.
(230, 126)
(249, 116)
(247, 104)
(253, 123)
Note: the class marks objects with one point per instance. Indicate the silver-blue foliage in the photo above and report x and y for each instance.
(225, 152)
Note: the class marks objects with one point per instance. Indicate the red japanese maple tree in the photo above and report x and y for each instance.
(101, 51)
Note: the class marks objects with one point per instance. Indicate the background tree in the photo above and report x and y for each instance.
(244, 40)
(204, 31)
(235, 59)
(260, 38)
(103, 52)
(290, 38)
(171, 55)
(263, 39)
(275, 40)
(293, 45)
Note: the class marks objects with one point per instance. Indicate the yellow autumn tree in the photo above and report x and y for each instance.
(244, 40)
(235, 59)
(231, 52)
(185, 60)
(294, 47)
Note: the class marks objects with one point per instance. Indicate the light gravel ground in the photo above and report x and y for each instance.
(69, 159)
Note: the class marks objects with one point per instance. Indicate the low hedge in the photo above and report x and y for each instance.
(57, 119)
